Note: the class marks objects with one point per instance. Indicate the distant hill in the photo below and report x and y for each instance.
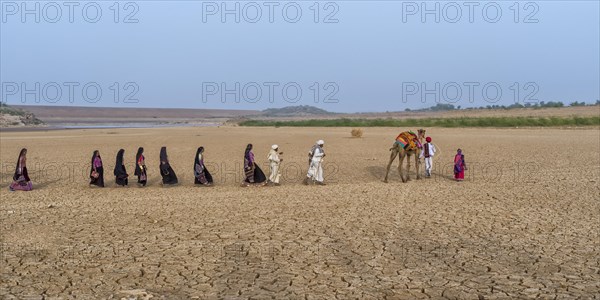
(295, 111)
(15, 117)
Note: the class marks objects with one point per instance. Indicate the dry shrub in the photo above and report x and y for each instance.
(357, 133)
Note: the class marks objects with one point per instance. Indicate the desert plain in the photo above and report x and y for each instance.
(525, 224)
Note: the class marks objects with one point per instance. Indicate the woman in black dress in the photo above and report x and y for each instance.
(120, 171)
(21, 180)
(201, 174)
(167, 173)
(97, 171)
(140, 167)
(254, 175)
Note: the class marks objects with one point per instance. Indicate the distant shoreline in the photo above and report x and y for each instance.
(104, 126)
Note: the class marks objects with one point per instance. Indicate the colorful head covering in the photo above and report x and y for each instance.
(428, 139)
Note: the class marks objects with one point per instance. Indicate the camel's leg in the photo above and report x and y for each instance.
(408, 166)
(417, 166)
(402, 156)
(392, 157)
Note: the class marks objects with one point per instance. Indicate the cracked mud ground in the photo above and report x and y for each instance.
(525, 223)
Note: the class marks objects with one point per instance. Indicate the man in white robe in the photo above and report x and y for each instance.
(315, 170)
(274, 162)
(428, 152)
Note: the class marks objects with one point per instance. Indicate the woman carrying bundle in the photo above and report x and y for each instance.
(97, 171)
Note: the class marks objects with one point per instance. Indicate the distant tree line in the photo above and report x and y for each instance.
(433, 122)
(541, 104)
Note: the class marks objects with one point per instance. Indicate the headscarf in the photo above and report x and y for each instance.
(248, 151)
(119, 163)
(458, 161)
(428, 139)
(248, 157)
(138, 154)
(16, 174)
(163, 155)
(96, 153)
(197, 158)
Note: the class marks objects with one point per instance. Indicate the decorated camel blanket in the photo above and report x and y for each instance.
(408, 140)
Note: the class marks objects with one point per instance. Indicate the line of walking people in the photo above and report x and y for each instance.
(254, 176)
(169, 177)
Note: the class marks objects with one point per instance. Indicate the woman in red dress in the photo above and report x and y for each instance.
(459, 166)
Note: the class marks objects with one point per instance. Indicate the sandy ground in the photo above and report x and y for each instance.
(525, 223)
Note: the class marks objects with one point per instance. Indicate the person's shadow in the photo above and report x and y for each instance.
(44, 184)
(6, 178)
(440, 172)
(378, 173)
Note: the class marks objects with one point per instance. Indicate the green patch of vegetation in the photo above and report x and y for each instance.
(540, 105)
(434, 122)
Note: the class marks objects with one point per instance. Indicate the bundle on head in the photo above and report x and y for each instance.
(356, 133)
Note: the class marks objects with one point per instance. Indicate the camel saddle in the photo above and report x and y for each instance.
(408, 140)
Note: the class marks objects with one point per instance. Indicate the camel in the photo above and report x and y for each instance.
(397, 150)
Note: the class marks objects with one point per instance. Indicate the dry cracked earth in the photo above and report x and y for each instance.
(524, 225)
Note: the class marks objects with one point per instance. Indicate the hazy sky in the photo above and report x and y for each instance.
(343, 56)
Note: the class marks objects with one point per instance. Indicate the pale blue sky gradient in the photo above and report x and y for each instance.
(368, 54)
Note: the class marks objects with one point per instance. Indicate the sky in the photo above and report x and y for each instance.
(342, 56)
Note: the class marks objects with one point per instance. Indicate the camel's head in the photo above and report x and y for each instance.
(421, 133)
